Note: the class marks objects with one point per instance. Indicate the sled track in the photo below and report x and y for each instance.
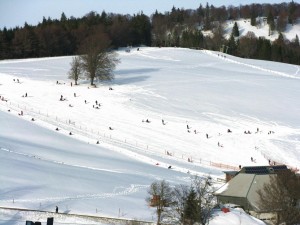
(277, 73)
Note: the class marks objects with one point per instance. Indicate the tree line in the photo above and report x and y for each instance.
(178, 27)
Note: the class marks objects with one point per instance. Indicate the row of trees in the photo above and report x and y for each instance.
(188, 205)
(179, 27)
(65, 36)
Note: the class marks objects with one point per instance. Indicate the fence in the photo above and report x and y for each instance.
(133, 145)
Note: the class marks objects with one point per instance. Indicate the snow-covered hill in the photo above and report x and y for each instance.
(262, 29)
(187, 95)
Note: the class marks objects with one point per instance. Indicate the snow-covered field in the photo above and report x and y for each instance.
(175, 89)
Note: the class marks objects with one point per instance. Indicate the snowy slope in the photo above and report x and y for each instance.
(262, 29)
(206, 91)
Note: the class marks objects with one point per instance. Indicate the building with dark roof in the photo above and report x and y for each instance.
(242, 187)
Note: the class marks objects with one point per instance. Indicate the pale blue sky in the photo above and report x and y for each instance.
(17, 12)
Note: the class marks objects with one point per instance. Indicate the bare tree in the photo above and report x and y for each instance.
(180, 196)
(248, 45)
(218, 34)
(192, 204)
(282, 21)
(160, 196)
(97, 60)
(76, 70)
(282, 195)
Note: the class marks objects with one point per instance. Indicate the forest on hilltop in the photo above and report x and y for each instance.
(178, 27)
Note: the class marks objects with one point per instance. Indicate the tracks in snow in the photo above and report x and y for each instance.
(255, 67)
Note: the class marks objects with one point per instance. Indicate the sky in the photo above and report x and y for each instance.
(16, 12)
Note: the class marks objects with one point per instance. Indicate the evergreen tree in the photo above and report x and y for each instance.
(140, 27)
(271, 22)
(278, 46)
(191, 209)
(296, 41)
(292, 12)
(253, 20)
(200, 13)
(63, 18)
(207, 18)
(232, 45)
(235, 30)
(253, 16)
(264, 49)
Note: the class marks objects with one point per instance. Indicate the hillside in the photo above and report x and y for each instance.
(204, 91)
(262, 30)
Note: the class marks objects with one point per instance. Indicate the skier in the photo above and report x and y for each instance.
(56, 209)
